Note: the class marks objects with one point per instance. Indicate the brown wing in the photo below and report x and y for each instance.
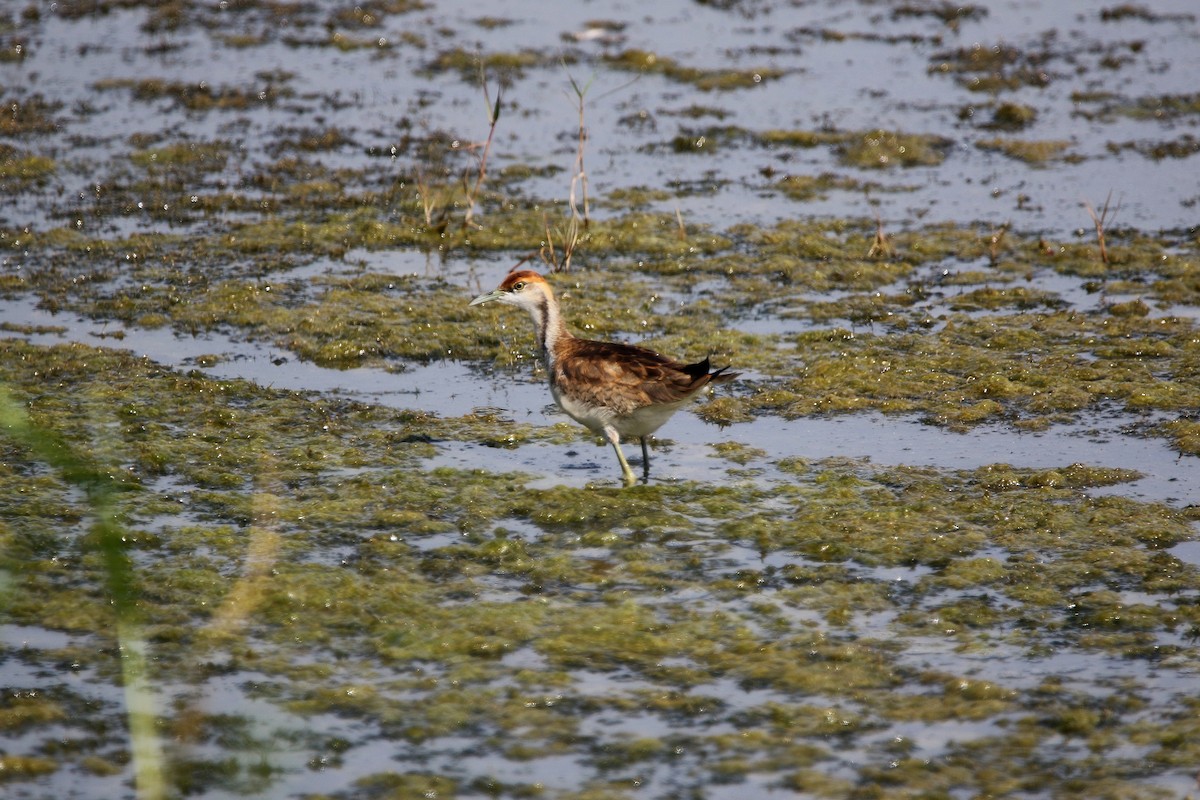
(625, 377)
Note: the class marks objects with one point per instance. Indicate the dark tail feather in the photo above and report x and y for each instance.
(722, 376)
(703, 369)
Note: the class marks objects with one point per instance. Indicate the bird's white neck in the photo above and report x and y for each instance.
(550, 328)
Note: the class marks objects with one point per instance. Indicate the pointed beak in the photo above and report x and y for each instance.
(495, 294)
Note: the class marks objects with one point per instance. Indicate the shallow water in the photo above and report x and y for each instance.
(338, 689)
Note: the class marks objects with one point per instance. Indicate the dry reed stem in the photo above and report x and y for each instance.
(579, 176)
(880, 246)
(996, 242)
(493, 118)
(1101, 220)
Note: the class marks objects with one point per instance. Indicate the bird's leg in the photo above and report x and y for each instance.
(626, 472)
(645, 459)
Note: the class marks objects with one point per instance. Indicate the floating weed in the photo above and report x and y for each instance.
(1031, 152)
(992, 299)
(28, 115)
(638, 197)
(1183, 146)
(881, 149)
(457, 583)
(1185, 434)
(808, 187)
(705, 80)
(204, 97)
(202, 156)
(19, 168)
(1013, 116)
(738, 453)
(311, 140)
(17, 767)
(799, 138)
(506, 66)
(1162, 107)
(992, 68)
(953, 698)
(25, 711)
(869, 149)
(405, 784)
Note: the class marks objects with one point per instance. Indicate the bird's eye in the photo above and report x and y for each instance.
(518, 286)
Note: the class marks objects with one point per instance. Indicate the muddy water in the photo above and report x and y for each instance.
(796, 606)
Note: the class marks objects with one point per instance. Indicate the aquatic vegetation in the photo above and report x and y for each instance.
(702, 79)
(806, 187)
(19, 168)
(1031, 152)
(28, 115)
(200, 156)
(881, 149)
(1168, 106)
(950, 14)
(1130, 11)
(202, 97)
(1181, 147)
(506, 66)
(864, 149)
(15, 767)
(1013, 116)
(993, 68)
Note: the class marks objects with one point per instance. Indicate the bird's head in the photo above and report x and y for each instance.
(525, 289)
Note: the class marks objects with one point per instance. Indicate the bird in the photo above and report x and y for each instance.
(620, 391)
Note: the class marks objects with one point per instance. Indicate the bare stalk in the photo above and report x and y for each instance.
(570, 241)
(996, 242)
(1101, 220)
(426, 198)
(579, 176)
(493, 118)
(880, 246)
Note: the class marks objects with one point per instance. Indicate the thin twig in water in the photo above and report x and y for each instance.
(996, 240)
(493, 118)
(426, 198)
(570, 239)
(1100, 221)
(571, 242)
(880, 246)
(579, 175)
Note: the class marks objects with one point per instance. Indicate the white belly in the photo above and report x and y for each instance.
(641, 422)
